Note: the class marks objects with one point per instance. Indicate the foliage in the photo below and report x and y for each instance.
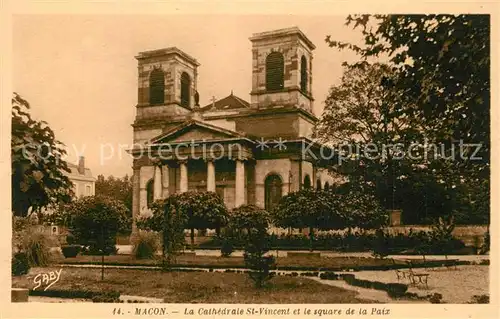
(116, 188)
(202, 210)
(441, 236)
(435, 89)
(95, 221)
(28, 239)
(486, 244)
(71, 251)
(20, 264)
(167, 219)
(248, 217)
(308, 208)
(227, 247)
(381, 244)
(38, 171)
(360, 209)
(480, 299)
(255, 257)
(145, 245)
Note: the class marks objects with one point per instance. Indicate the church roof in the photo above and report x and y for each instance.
(230, 102)
(193, 124)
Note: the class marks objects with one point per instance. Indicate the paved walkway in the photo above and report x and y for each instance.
(127, 249)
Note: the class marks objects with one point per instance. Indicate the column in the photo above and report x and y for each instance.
(210, 176)
(239, 196)
(136, 205)
(157, 188)
(166, 180)
(183, 187)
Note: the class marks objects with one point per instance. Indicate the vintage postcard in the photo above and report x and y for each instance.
(253, 160)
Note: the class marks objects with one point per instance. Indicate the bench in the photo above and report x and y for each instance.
(417, 278)
(400, 274)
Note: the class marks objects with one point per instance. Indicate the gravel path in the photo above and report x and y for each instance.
(456, 285)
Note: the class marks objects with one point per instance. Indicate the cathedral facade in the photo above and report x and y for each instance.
(247, 152)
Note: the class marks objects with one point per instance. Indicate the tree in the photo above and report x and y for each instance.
(362, 119)
(116, 188)
(38, 171)
(247, 217)
(167, 219)
(95, 221)
(202, 210)
(440, 66)
(308, 208)
(257, 241)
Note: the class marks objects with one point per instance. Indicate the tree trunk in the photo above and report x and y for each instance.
(311, 237)
(192, 239)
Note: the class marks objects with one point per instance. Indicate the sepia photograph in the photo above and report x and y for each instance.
(248, 162)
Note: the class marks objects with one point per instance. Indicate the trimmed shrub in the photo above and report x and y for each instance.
(395, 290)
(145, 245)
(329, 276)
(227, 247)
(71, 251)
(20, 264)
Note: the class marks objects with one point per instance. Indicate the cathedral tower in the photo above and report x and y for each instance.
(167, 83)
(281, 70)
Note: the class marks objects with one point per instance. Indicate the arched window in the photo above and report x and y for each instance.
(307, 182)
(273, 188)
(327, 186)
(150, 193)
(303, 74)
(275, 69)
(156, 87)
(185, 88)
(318, 185)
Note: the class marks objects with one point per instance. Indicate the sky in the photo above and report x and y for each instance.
(79, 72)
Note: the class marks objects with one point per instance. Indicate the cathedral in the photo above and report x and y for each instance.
(248, 152)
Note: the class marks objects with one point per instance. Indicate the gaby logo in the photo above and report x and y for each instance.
(47, 279)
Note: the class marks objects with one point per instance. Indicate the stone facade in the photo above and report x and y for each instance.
(218, 147)
(82, 179)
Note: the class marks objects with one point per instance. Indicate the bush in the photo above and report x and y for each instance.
(36, 245)
(485, 248)
(396, 290)
(109, 297)
(20, 264)
(381, 244)
(145, 245)
(71, 251)
(480, 299)
(70, 239)
(435, 298)
(95, 221)
(227, 247)
(329, 276)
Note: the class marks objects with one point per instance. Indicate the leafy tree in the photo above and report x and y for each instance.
(202, 210)
(439, 76)
(38, 171)
(95, 221)
(247, 217)
(310, 209)
(116, 188)
(361, 210)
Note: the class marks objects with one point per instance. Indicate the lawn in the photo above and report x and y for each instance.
(194, 287)
(335, 263)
